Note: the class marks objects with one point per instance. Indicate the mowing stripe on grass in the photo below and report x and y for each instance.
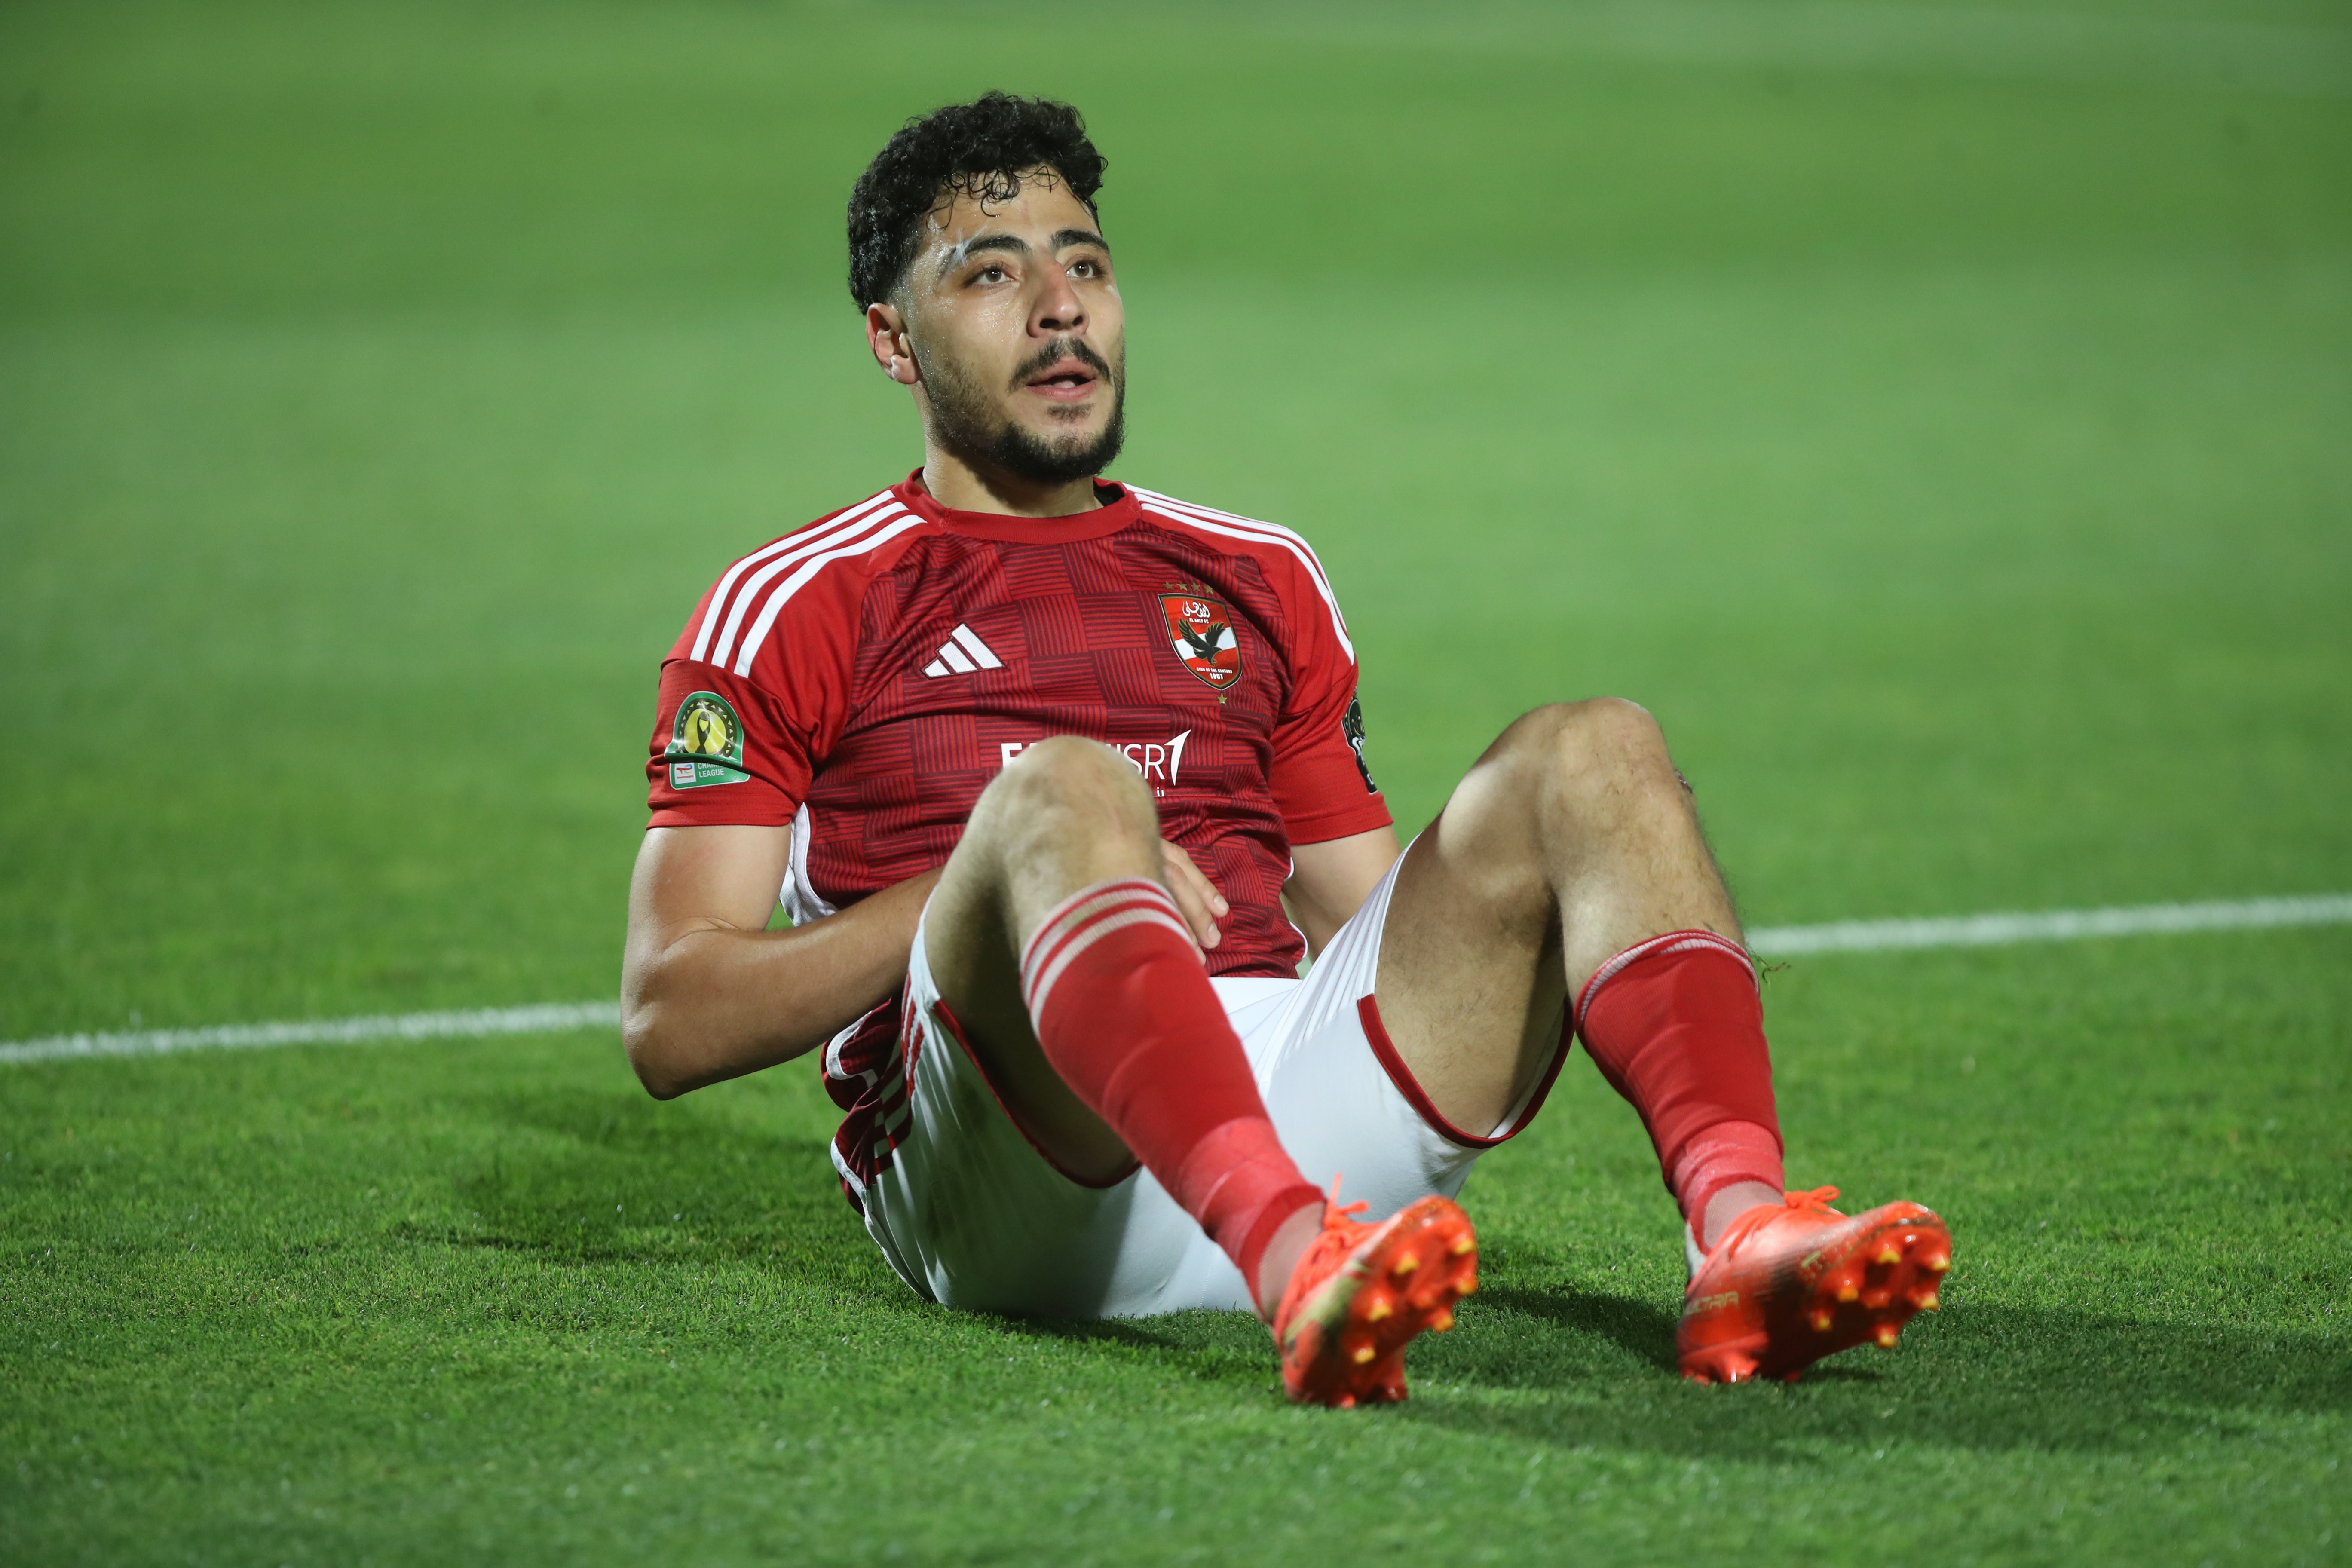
(2303, 59)
(1767, 942)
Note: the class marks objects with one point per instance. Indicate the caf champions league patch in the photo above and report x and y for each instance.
(706, 743)
(1201, 630)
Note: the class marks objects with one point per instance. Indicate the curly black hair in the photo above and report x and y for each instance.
(979, 149)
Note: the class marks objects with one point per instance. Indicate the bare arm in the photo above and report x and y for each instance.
(707, 993)
(1329, 881)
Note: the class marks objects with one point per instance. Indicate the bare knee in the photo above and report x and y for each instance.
(1070, 768)
(1602, 746)
(1065, 791)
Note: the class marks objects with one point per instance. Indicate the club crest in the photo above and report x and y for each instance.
(1201, 630)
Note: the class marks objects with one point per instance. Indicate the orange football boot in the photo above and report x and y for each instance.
(1785, 1286)
(1363, 1292)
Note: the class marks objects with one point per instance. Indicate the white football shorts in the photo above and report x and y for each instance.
(971, 1214)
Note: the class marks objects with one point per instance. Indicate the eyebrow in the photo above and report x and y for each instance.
(1014, 245)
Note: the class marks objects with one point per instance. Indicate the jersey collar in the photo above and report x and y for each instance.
(1119, 509)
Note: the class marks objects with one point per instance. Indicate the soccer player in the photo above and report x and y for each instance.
(1061, 778)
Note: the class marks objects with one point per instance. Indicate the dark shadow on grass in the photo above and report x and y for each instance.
(1592, 1369)
(1641, 1328)
(597, 1178)
(622, 1179)
(604, 1187)
(1211, 1347)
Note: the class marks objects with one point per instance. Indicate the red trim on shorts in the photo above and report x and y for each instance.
(1368, 1010)
(955, 1031)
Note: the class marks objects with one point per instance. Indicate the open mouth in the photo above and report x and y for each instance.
(1067, 372)
(1065, 378)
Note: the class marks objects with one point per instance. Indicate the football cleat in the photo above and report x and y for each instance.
(1361, 1292)
(1789, 1284)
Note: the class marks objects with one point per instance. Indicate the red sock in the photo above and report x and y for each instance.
(1676, 1027)
(1128, 1019)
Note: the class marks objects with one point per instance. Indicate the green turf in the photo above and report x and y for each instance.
(1936, 418)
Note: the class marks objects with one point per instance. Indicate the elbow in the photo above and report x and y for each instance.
(656, 1033)
(661, 1086)
(653, 1053)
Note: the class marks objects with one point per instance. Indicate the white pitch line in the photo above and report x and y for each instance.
(547, 1018)
(2051, 925)
(1766, 942)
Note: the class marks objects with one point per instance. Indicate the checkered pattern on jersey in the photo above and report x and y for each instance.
(1084, 650)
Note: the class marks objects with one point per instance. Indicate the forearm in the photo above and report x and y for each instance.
(704, 1001)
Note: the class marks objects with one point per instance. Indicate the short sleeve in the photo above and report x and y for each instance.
(724, 753)
(739, 735)
(1322, 783)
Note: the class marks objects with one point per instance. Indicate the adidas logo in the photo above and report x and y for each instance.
(963, 654)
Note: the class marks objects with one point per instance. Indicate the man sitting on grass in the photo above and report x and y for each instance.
(1061, 778)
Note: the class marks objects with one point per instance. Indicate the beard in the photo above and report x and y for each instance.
(969, 422)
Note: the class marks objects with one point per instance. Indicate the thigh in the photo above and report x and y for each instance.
(973, 1213)
(1035, 835)
(979, 992)
(1571, 838)
(1471, 984)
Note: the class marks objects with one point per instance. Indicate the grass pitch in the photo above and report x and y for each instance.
(1936, 418)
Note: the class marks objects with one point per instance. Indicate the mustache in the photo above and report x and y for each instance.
(1062, 349)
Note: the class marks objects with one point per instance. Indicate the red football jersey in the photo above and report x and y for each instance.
(863, 679)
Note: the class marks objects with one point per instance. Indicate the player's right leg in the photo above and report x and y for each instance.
(1080, 995)
(1054, 823)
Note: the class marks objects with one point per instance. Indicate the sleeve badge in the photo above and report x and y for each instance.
(706, 743)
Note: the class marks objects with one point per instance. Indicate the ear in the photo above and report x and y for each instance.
(886, 334)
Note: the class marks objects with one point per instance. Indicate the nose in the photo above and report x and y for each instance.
(1057, 309)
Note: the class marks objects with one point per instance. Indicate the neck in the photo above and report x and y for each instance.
(960, 485)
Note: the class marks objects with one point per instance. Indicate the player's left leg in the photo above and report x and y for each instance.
(1567, 887)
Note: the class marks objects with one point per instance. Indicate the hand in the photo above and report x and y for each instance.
(1200, 904)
